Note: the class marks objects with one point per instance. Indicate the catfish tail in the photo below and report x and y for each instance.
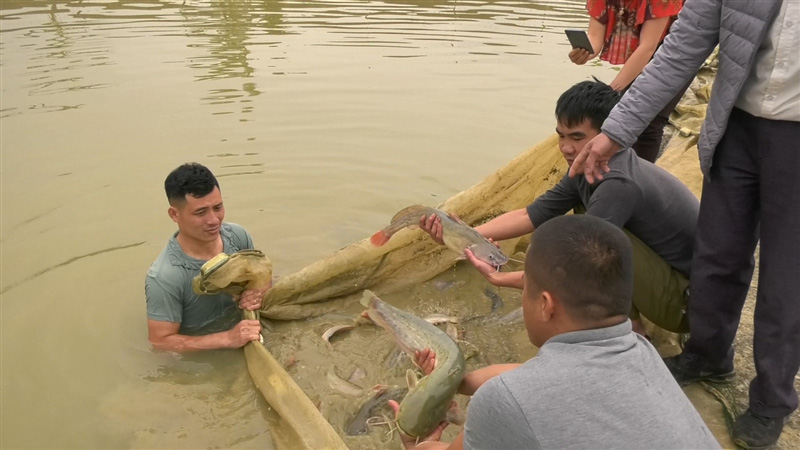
(380, 238)
(406, 217)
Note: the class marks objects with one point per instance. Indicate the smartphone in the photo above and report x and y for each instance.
(579, 39)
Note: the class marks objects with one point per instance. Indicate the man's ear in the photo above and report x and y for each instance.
(547, 306)
(173, 213)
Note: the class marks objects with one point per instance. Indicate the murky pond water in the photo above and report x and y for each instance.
(321, 120)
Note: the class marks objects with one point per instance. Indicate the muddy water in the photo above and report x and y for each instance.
(321, 120)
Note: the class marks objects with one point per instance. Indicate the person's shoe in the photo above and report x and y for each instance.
(754, 431)
(684, 375)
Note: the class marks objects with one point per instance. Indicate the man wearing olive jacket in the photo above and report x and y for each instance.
(750, 158)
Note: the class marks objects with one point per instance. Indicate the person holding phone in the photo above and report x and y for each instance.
(628, 32)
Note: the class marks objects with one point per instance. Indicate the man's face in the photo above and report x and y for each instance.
(572, 139)
(199, 218)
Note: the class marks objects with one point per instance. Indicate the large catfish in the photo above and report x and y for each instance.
(456, 235)
(429, 399)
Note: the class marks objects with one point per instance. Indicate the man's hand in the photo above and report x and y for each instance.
(592, 161)
(244, 332)
(493, 275)
(433, 226)
(410, 442)
(485, 269)
(425, 359)
(580, 56)
(251, 299)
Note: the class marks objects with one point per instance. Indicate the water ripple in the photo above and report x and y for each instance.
(67, 43)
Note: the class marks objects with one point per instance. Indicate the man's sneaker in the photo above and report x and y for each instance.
(684, 374)
(755, 431)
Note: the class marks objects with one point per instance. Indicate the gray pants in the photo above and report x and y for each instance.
(752, 193)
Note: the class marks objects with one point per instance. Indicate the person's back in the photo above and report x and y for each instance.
(587, 389)
(663, 211)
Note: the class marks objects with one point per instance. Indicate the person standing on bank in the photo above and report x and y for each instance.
(749, 155)
(178, 319)
(628, 32)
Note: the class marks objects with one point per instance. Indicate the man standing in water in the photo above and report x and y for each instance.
(178, 319)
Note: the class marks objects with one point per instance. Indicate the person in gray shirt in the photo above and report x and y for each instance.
(594, 383)
(178, 319)
(657, 211)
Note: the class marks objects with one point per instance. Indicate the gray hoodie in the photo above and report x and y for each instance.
(738, 26)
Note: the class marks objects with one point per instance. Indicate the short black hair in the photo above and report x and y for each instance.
(587, 100)
(586, 263)
(189, 179)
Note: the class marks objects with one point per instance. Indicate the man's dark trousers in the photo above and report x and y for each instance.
(752, 193)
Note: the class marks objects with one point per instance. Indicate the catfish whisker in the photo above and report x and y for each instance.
(375, 421)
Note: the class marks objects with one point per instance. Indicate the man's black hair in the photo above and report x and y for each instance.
(587, 100)
(189, 179)
(586, 263)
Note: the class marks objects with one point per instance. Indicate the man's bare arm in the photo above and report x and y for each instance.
(494, 276)
(165, 336)
(425, 359)
(510, 225)
(475, 379)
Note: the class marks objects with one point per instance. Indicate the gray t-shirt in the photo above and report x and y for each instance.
(637, 195)
(169, 294)
(603, 388)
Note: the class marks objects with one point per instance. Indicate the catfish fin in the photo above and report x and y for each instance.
(411, 379)
(379, 238)
(410, 213)
(456, 218)
(366, 297)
